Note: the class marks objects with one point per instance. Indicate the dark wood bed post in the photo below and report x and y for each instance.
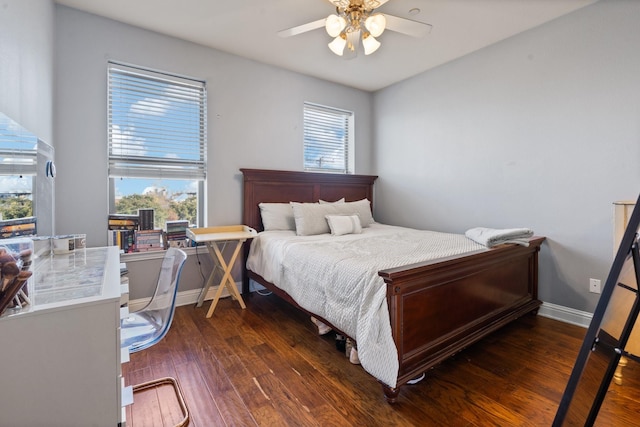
(390, 393)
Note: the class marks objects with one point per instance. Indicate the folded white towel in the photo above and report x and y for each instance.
(491, 237)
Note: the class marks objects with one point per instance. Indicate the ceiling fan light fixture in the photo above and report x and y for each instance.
(376, 24)
(357, 21)
(334, 25)
(337, 45)
(370, 44)
(353, 39)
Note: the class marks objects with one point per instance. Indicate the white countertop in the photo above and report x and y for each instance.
(85, 276)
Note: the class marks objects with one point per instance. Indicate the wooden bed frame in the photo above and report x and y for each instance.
(436, 308)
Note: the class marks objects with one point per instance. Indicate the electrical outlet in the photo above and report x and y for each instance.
(594, 286)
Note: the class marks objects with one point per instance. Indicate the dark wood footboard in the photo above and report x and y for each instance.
(438, 308)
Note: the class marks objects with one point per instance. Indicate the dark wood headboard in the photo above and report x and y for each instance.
(261, 185)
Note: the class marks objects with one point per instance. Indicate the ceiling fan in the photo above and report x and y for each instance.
(358, 20)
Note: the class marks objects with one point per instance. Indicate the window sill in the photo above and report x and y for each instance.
(144, 256)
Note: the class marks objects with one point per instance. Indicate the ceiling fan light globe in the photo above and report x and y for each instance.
(370, 44)
(337, 45)
(376, 24)
(334, 25)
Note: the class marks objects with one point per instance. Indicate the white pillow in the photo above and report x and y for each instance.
(310, 217)
(277, 216)
(323, 202)
(344, 224)
(362, 208)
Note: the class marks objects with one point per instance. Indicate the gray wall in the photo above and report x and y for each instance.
(541, 131)
(26, 64)
(254, 121)
(254, 115)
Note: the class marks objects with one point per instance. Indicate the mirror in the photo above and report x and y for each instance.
(26, 181)
(612, 336)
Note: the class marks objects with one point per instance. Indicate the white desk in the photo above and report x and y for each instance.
(60, 362)
(216, 239)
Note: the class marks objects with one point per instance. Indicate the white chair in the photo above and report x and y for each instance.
(147, 326)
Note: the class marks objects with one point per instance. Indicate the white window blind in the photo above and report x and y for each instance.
(328, 136)
(156, 125)
(17, 148)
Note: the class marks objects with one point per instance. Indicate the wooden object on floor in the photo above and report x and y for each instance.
(436, 307)
(216, 240)
(267, 365)
(621, 213)
(153, 384)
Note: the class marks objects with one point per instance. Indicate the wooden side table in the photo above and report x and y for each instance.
(216, 240)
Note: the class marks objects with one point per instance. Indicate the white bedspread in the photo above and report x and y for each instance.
(336, 277)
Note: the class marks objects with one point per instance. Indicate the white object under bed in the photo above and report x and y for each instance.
(336, 278)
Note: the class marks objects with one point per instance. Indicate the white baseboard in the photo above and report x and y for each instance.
(183, 298)
(565, 314)
(552, 311)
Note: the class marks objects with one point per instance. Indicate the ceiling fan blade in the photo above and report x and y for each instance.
(302, 28)
(369, 4)
(339, 3)
(407, 26)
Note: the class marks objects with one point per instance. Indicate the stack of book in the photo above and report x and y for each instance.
(146, 219)
(123, 222)
(149, 240)
(124, 239)
(18, 227)
(177, 233)
(122, 228)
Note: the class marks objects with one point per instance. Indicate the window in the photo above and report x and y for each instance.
(328, 139)
(157, 144)
(17, 170)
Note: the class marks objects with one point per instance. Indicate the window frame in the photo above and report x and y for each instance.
(152, 167)
(324, 128)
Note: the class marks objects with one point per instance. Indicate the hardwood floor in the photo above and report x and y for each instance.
(267, 366)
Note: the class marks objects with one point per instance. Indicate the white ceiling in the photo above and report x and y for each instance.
(248, 28)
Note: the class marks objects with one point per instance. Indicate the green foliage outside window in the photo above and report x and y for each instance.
(185, 209)
(16, 207)
(164, 209)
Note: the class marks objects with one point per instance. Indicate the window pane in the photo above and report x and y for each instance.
(16, 197)
(155, 119)
(152, 118)
(327, 137)
(171, 199)
(18, 149)
(157, 144)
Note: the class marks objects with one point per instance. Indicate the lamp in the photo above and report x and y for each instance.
(354, 23)
(370, 44)
(335, 24)
(376, 24)
(337, 45)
